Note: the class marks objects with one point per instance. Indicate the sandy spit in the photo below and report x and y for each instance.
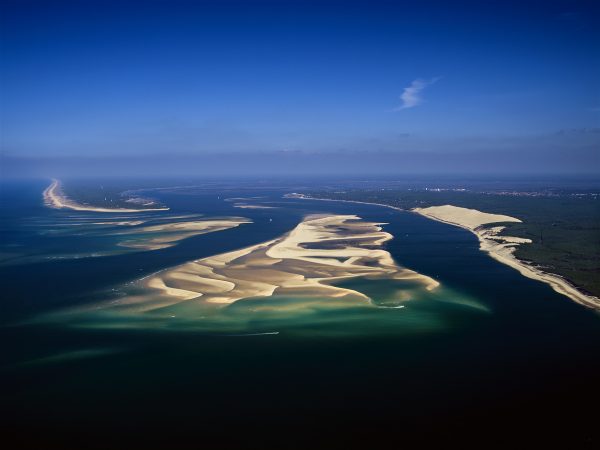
(54, 198)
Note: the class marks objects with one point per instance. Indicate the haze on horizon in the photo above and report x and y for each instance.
(241, 88)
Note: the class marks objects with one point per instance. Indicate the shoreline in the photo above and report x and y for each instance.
(54, 198)
(502, 252)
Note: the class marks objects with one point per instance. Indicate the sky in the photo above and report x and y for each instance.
(249, 87)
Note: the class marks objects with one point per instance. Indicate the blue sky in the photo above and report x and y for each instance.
(136, 79)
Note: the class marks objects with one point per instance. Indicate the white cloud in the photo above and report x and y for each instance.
(411, 96)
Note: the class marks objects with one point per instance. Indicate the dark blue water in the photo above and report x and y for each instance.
(529, 366)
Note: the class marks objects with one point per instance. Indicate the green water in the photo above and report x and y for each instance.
(398, 308)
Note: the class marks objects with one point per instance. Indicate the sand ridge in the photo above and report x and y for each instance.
(168, 234)
(304, 262)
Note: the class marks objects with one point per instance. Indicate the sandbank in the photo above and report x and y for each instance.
(302, 263)
(168, 234)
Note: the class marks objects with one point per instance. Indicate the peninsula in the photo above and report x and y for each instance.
(55, 198)
(502, 248)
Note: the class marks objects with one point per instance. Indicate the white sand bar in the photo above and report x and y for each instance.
(156, 237)
(302, 263)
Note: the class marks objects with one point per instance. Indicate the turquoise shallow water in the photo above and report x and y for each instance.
(491, 347)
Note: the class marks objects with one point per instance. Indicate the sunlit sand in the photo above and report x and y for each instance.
(303, 263)
(168, 234)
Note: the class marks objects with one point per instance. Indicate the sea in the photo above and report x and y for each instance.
(492, 356)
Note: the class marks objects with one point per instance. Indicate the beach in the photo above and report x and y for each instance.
(55, 198)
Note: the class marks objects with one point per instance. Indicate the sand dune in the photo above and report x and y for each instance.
(463, 217)
(168, 234)
(304, 262)
(54, 198)
(502, 248)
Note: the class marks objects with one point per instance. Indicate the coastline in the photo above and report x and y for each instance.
(500, 248)
(54, 198)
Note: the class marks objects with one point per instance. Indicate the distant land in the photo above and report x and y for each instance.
(54, 197)
(552, 236)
